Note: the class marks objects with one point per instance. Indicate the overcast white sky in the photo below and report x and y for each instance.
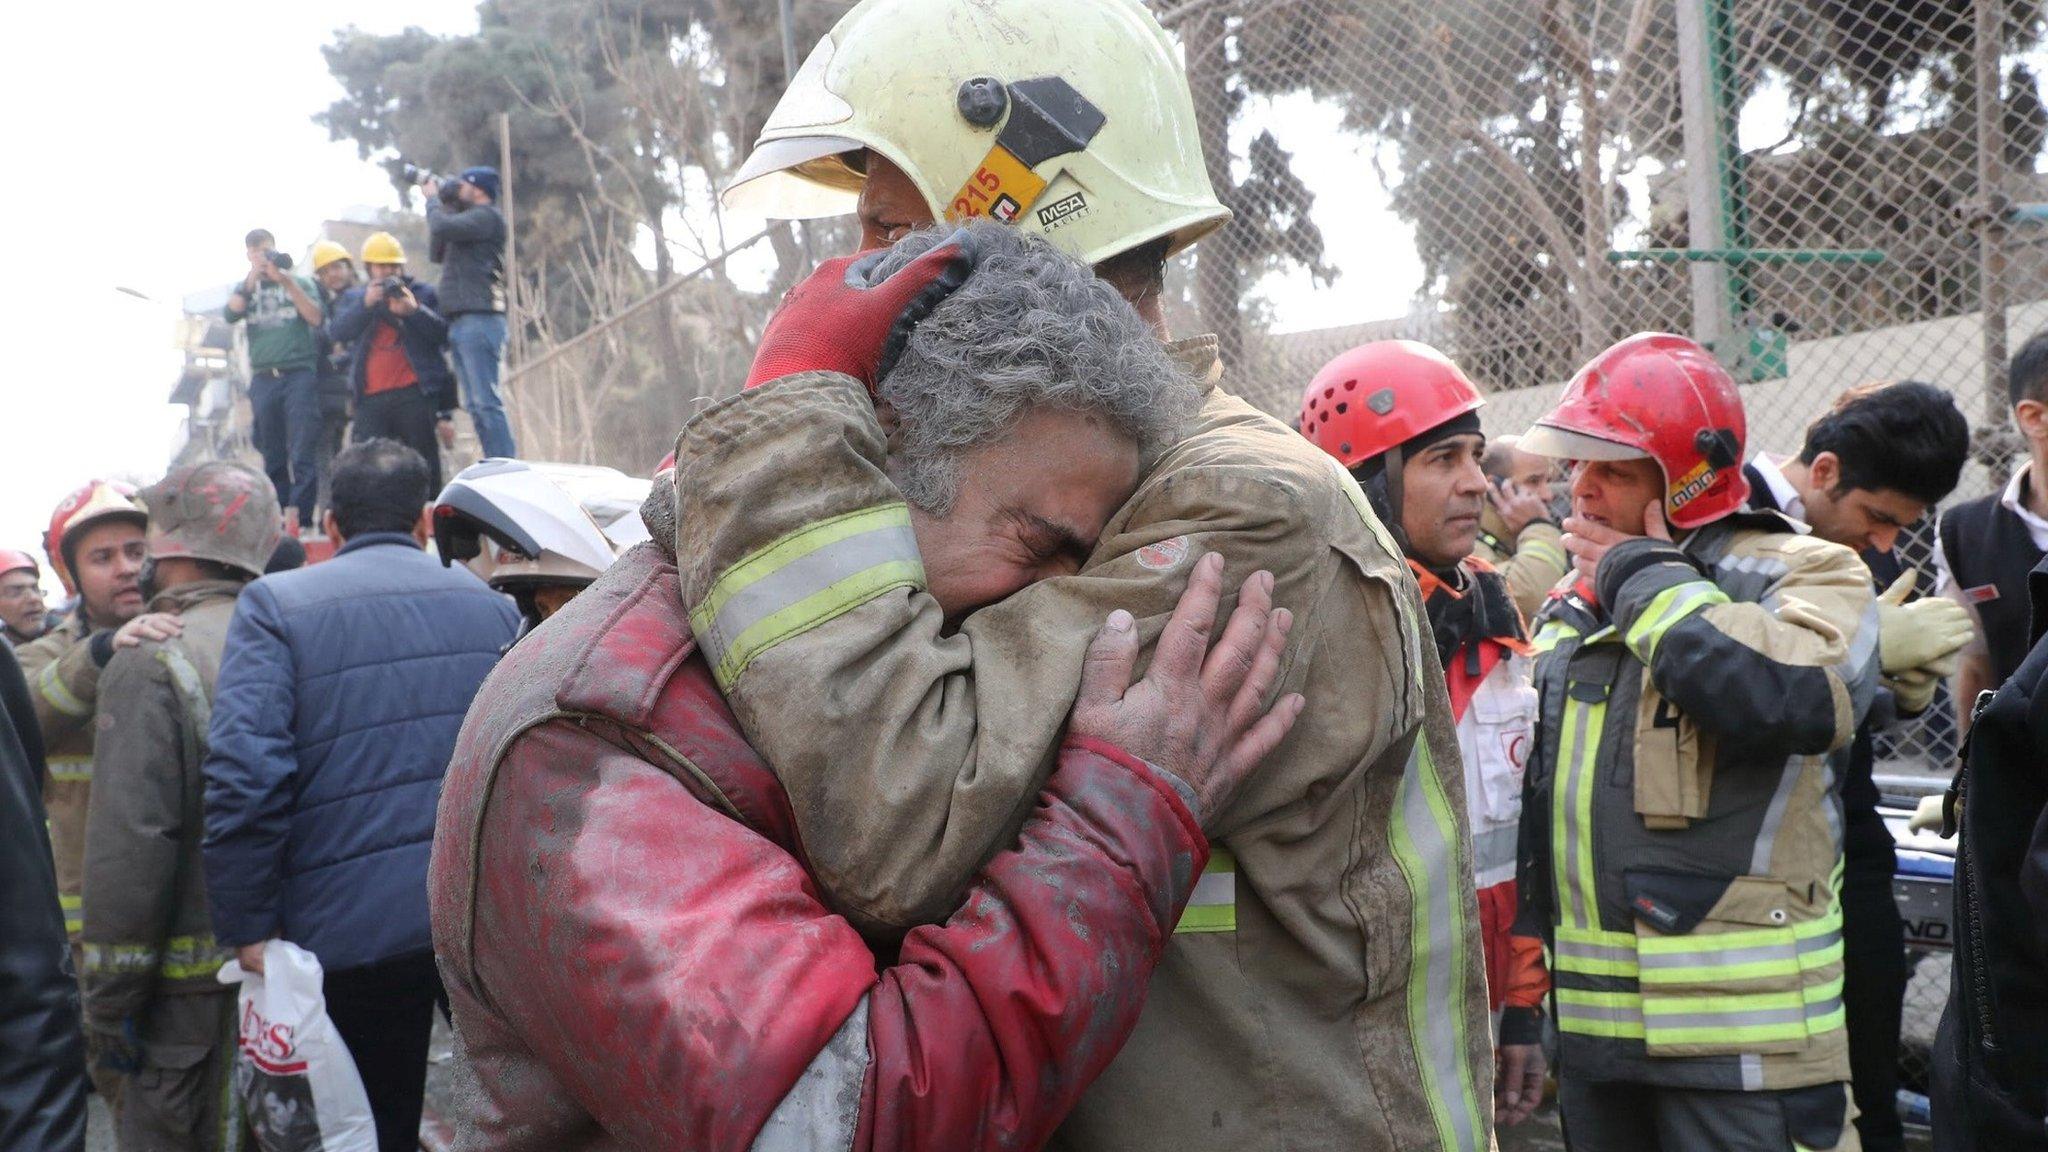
(143, 140)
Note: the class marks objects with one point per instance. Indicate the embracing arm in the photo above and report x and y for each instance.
(1795, 670)
(682, 942)
(923, 750)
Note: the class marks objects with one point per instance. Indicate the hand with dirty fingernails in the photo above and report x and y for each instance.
(1200, 713)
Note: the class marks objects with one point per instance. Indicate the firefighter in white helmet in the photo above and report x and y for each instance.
(1325, 988)
(543, 546)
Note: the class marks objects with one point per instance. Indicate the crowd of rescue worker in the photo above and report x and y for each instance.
(991, 732)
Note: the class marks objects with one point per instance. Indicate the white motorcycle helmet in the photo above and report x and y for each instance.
(526, 532)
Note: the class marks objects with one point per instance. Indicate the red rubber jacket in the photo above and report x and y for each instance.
(636, 957)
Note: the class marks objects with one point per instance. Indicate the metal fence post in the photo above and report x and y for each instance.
(1992, 207)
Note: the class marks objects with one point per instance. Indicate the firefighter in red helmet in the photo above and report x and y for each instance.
(1698, 686)
(1404, 420)
(22, 615)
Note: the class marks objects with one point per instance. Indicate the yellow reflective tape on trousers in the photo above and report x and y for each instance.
(71, 769)
(53, 690)
(806, 578)
(1424, 839)
(1213, 906)
(1666, 609)
(74, 913)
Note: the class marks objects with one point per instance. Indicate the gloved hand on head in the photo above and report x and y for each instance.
(843, 320)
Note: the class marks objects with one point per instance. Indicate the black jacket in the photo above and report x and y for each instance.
(423, 336)
(42, 1050)
(1991, 1056)
(469, 245)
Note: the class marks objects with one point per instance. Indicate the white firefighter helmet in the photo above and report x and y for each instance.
(530, 528)
(1067, 117)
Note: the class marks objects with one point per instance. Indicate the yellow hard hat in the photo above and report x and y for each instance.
(1068, 117)
(327, 252)
(383, 248)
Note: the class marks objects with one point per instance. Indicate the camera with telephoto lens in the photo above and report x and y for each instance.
(451, 188)
(282, 261)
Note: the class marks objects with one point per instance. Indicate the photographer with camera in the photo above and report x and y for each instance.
(284, 314)
(397, 341)
(468, 234)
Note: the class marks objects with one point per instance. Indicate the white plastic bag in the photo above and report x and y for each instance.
(298, 1085)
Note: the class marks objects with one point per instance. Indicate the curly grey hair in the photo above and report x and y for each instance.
(1031, 328)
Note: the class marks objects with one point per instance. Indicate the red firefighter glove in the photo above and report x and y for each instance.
(843, 320)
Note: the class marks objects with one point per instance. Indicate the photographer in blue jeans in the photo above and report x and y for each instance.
(284, 315)
(467, 234)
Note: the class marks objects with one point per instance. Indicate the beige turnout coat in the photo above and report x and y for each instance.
(1325, 988)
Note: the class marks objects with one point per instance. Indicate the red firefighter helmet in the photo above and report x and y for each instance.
(1659, 397)
(91, 502)
(15, 560)
(1381, 395)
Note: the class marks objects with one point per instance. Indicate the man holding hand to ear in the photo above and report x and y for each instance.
(1698, 686)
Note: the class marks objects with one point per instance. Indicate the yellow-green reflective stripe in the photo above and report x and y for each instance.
(1213, 906)
(1544, 549)
(70, 769)
(1613, 1015)
(53, 690)
(808, 577)
(1572, 850)
(1553, 633)
(1595, 953)
(180, 958)
(1666, 609)
(1424, 838)
(74, 912)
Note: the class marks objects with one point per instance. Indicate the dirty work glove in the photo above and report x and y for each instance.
(112, 1044)
(1927, 815)
(1913, 690)
(843, 320)
(1912, 636)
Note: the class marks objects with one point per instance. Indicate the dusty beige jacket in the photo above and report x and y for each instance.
(1325, 989)
(1533, 563)
(148, 931)
(64, 681)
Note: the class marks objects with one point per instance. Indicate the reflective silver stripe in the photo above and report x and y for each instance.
(1717, 957)
(822, 1112)
(1752, 1018)
(1494, 848)
(70, 768)
(1435, 1018)
(807, 575)
(1774, 816)
(1823, 1007)
(198, 709)
(1752, 1072)
(1611, 953)
(1820, 943)
(1214, 888)
(1575, 782)
(1604, 1013)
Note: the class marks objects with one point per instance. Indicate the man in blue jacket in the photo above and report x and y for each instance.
(340, 694)
(398, 367)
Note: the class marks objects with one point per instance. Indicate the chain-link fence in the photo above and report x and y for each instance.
(1827, 192)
